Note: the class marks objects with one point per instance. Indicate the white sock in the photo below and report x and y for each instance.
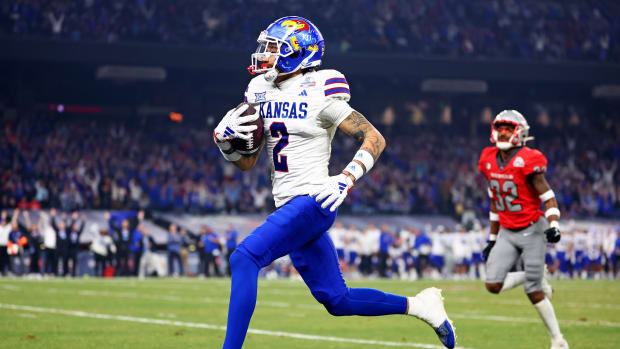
(411, 308)
(482, 271)
(513, 280)
(545, 309)
(416, 307)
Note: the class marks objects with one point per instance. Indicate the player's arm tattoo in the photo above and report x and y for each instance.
(248, 161)
(356, 126)
(541, 185)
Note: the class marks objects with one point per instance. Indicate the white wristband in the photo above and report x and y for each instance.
(492, 237)
(232, 157)
(554, 224)
(355, 170)
(490, 193)
(548, 195)
(493, 217)
(554, 211)
(365, 158)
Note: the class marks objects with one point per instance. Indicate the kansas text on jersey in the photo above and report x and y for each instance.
(300, 115)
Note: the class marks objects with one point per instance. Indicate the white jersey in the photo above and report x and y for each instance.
(338, 236)
(352, 237)
(594, 243)
(301, 116)
(580, 241)
(438, 248)
(609, 242)
(478, 239)
(407, 238)
(49, 237)
(565, 242)
(5, 230)
(461, 247)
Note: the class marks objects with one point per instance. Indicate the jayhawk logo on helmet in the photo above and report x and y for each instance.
(520, 134)
(296, 24)
(299, 43)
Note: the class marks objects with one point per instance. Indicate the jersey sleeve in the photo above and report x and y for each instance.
(336, 86)
(335, 112)
(484, 155)
(337, 95)
(536, 162)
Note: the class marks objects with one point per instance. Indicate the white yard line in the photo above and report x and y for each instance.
(215, 327)
(470, 316)
(10, 287)
(526, 303)
(294, 289)
(224, 301)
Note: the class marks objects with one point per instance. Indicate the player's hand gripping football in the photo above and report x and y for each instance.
(487, 250)
(232, 126)
(333, 191)
(553, 235)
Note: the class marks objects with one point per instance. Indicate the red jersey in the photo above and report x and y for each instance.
(516, 200)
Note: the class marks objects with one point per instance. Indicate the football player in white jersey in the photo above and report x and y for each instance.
(478, 237)
(337, 233)
(563, 253)
(594, 252)
(301, 108)
(580, 254)
(352, 250)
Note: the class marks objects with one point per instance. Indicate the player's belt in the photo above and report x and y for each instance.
(516, 230)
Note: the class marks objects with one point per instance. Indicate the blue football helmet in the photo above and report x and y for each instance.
(299, 43)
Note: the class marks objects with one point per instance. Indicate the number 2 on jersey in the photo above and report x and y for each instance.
(278, 129)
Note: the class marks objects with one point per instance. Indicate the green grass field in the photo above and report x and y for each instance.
(191, 313)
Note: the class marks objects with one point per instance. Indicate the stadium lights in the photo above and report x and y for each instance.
(606, 91)
(454, 86)
(131, 73)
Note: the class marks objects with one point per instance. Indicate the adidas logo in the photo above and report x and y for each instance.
(228, 132)
(303, 93)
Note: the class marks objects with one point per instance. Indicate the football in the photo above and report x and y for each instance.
(252, 145)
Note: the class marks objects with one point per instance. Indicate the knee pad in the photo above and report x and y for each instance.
(533, 279)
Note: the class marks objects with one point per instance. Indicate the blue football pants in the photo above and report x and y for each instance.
(298, 228)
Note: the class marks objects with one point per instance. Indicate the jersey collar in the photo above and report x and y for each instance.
(503, 164)
(289, 82)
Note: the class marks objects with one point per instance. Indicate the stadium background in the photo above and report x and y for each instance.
(110, 105)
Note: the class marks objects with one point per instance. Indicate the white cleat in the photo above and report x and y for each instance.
(559, 343)
(428, 307)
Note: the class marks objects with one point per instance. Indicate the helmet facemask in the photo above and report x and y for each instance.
(298, 45)
(519, 135)
(264, 53)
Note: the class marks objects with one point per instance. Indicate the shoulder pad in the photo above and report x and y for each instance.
(258, 84)
(335, 85)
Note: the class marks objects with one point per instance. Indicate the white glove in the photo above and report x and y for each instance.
(334, 190)
(231, 125)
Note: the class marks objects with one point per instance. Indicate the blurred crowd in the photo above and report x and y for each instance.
(439, 252)
(52, 246)
(503, 29)
(429, 167)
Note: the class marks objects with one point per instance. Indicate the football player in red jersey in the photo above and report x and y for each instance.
(517, 187)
